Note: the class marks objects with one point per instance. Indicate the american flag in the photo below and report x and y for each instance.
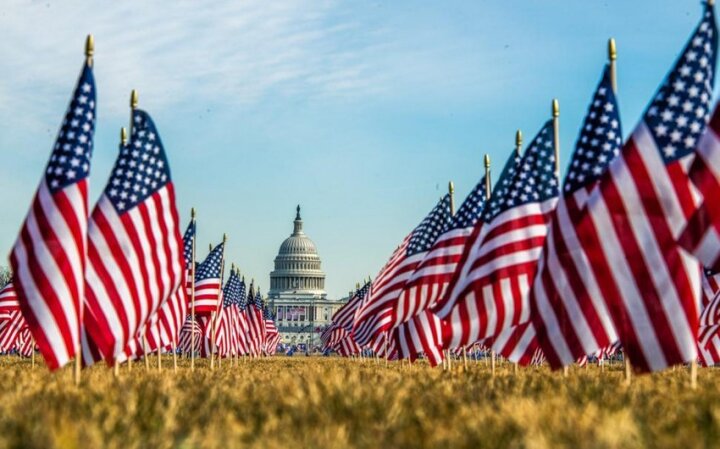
(188, 329)
(207, 282)
(489, 292)
(432, 276)
(570, 319)
(256, 324)
(163, 328)
(344, 317)
(48, 259)
(134, 245)
(226, 339)
(172, 314)
(416, 329)
(271, 329)
(242, 320)
(374, 317)
(642, 204)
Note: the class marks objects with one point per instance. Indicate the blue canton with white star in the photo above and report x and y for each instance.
(681, 108)
(258, 301)
(188, 243)
(600, 139)
(471, 209)
(70, 160)
(210, 267)
(231, 291)
(534, 180)
(242, 295)
(506, 177)
(362, 291)
(141, 169)
(430, 228)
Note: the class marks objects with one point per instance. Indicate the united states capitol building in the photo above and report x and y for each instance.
(297, 289)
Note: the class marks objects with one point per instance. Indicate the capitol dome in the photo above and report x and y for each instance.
(297, 265)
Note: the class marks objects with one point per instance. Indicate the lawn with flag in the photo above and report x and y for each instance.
(375, 315)
(48, 258)
(134, 246)
(570, 319)
(488, 293)
(641, 206)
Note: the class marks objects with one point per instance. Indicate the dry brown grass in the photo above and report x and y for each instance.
(334, 403)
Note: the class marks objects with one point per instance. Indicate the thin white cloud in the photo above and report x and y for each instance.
(178, 51)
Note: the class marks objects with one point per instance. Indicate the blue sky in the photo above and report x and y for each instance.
(359, 111)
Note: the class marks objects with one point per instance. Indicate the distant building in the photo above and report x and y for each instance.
(297, 289)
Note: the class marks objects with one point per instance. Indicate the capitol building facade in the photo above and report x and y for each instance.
(297, 289)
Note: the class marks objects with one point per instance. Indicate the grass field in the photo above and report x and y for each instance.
(335, 403)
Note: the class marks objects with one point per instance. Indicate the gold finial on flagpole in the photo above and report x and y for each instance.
(488, 182)
(556, 135)
(192, 213)
(612, 57)
(134, 99)
(224, 238)
(518, 142)
(451, 192)
(133, 106)
(123, 136)
(89, 49)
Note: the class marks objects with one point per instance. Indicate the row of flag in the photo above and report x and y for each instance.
(625, 252)
(117, 281)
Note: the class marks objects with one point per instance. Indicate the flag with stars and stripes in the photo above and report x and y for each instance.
(375, 314)
(48, 259)
(344, 317)
(431, 277)
(135, 260)
(416, 329)
(569, 319)
(242, 320)
(255, 323)
(641, 206)
(489, 291)
(207, 282)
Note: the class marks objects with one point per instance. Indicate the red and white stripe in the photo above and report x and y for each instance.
(653, 287)
(432, 276)
(490, 292)
(375, 314)
(10, 329)
(421, 334)
(207, 296)
(135, 265)
(702, 234)
(567, 308)
(518, 344)
(48, 262)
